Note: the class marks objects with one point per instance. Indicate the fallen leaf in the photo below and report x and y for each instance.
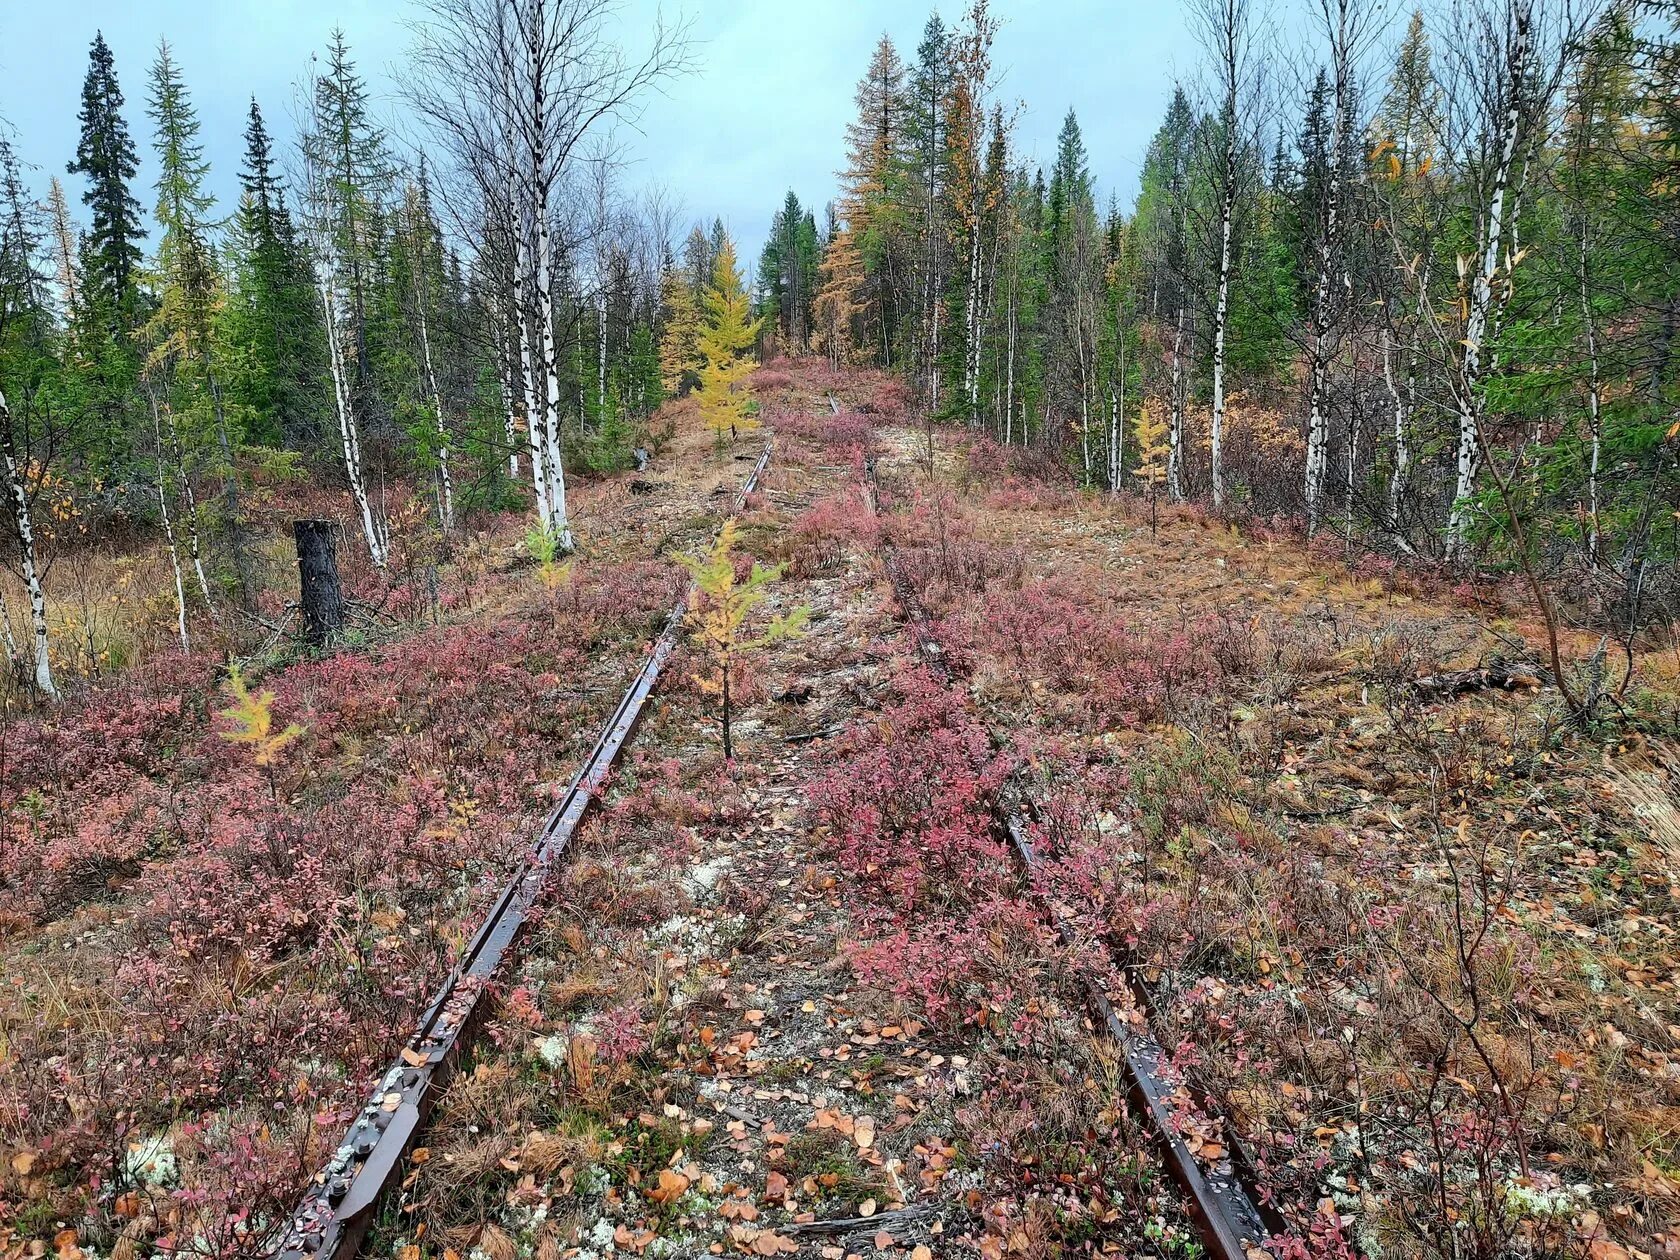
(672, 1186)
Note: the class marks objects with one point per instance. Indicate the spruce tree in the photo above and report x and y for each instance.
(106, 155)
(111, 306)
(273, 319)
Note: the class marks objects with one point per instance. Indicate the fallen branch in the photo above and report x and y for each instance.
(849, 1224)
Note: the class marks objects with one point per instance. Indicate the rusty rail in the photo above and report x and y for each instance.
(343, 1197)
(1230, 1213)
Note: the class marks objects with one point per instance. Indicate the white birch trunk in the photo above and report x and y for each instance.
(554, 475)
(1114, 453)
(1595, 421)
(1402, 447)
(600, 360)
(1317, 428)
(534, 417)
(1175, 425)
(971, 357)
(169, 535)
(23, 523)
(1481, 293)
(446, 484)
(1352, 471)
(510, 421)
(6, 637)
(1009, 372)
(190, 516)
(1116, 429)
(1227, 211)
(1326, 314)
(350, 441)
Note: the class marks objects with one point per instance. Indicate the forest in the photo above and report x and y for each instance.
(1148, 718)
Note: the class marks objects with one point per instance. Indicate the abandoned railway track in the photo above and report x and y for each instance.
(344, 1196)
(1232, 1214)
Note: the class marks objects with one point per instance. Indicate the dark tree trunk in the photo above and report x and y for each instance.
(320, 595)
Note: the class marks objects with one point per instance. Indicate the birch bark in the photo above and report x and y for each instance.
(24, 526)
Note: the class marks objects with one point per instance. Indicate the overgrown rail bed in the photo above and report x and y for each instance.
(1233, 1215)
(808, 1003)
(367, 1163)
(206, 951)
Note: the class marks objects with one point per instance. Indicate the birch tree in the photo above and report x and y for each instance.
(26, 364)
(1224, 28)
(320, 214)
(1346, 25)
(519, 86)
(23, 527)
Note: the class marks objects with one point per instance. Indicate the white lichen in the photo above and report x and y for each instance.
(151, 1162)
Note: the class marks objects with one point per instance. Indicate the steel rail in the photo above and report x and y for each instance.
(343, 1197)
(1231, 1215)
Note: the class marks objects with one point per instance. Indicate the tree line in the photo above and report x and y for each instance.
(1421, 294)
(439, 323)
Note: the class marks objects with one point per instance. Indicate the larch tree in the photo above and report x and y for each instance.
(679, 348)
(182, 358)
(841, 277)
(725, 341)
(869, 209)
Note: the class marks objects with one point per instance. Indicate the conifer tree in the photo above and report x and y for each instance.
(274, 326)
(728, 335)
(679, 347)
(927, 157)
(353, 173)
(111, 304)
(106, 155)
(787, 273)
(871, 212)
(179, 333)
(835, 313)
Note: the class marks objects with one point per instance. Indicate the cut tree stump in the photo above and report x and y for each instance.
(321, 595)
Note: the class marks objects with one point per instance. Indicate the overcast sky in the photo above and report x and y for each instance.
(764, 109)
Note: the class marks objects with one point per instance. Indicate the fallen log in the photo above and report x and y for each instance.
(1497, 675)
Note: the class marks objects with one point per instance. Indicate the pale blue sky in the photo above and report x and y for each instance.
(764, 109)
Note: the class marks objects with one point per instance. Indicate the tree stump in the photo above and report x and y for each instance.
(321, 596)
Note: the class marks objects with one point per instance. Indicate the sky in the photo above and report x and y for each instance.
(763, 110)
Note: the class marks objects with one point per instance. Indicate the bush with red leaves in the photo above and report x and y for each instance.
(907, 810)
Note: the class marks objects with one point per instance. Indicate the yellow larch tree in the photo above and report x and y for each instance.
(679, 348)
(1151, 430)
(835, 307)
(725, 340)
